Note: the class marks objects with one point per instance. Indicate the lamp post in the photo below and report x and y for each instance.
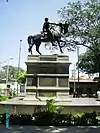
(7, 74)
(19, 63)
(7, 69)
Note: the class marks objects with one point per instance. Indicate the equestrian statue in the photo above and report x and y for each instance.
(51, 33)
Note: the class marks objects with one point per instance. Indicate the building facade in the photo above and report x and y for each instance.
(86, 85)
(47, 75)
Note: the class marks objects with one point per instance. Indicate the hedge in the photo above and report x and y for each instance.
(46, 118)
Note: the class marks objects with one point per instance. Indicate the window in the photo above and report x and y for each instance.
(62, 69)
(48, 70)
(32, 69)
(46, 93)
(32, 81)
(45, 81)
(63, 82)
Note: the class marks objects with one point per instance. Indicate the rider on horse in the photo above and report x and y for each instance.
(46, 28)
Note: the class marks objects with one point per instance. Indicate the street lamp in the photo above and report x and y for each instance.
(7, 70)
(19, 63)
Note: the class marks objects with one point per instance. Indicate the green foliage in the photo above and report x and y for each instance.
(51, 107)
(4, 98)
(85, 119)
(84, 20)
(22, 78)
(13, 72)
(17, 119)
(84, 30)
(2, 75)
(44, 118)
(52, 119)
(89, 62)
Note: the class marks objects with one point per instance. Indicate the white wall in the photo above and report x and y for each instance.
(13, 85)
(30, 109)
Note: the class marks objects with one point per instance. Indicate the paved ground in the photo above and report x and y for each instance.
(51, 129)
(73, 102)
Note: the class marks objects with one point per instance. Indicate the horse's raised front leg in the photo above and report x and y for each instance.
(58, 41)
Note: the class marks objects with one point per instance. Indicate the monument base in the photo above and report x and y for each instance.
(77, 105)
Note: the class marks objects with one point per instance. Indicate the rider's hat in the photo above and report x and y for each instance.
(46, 19)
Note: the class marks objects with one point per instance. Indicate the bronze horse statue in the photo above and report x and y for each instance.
(39, 38)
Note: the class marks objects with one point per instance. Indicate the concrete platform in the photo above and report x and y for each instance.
(77, 105)
(70, 102)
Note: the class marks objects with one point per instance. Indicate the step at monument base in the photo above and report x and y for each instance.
(43, 99)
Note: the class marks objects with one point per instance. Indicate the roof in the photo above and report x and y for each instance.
(82, 79)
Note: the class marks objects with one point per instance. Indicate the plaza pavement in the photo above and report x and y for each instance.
(72, 102)
(50, 129)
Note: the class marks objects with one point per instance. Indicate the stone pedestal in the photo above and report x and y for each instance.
(47, 75)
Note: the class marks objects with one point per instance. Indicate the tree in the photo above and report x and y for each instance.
(12, 72)
(22, 78)
(89, 62)
(84, 20)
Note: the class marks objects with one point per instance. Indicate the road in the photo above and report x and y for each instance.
(50, 129)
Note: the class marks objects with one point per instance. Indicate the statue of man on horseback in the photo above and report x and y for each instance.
(49, 34)
(46, 28)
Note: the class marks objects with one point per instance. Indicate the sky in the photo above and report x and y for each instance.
(21, 18)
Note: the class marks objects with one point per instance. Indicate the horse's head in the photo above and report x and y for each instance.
(66, 26)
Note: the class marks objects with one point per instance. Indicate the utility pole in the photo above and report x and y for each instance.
(78, 70)
(74, 79)
(19, 64)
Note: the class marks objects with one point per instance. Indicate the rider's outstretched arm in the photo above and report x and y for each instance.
(54, 24)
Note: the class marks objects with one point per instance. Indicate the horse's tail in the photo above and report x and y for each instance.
(30, 40)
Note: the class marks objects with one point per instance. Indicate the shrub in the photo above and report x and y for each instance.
(44, 118)
(85, 119)
(17, 119)
(20, 119)
(3, 98)
(3, 118)
(51, 107)
(47, 118)
(63, 120)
